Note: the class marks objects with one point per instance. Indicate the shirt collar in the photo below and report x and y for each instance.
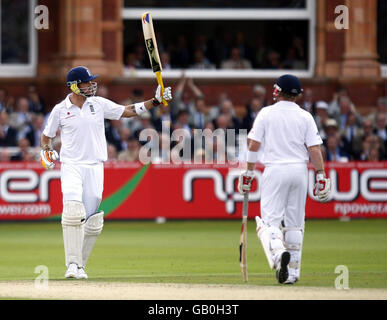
(69, 104)
(288, 104)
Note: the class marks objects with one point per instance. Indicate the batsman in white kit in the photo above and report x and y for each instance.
(80, 118)
(289, 137)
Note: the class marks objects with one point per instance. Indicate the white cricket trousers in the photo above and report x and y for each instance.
(283, 195)
(83, 182)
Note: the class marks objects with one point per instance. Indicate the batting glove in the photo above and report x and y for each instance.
(245, 179)
(167, 94)
(47, 158)
(322, 187)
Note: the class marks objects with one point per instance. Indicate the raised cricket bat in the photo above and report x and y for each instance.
(243, 241)
(151, 47)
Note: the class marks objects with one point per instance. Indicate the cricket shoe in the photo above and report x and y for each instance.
(291, 280)
(293, 276)
(81, 274)
(282, 272)
(72, 271)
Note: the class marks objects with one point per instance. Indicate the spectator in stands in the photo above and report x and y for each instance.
(35, 100)
(162, 116)
(3, 96)
(143, 123)
(6, 102)
(180, 55)
(244, 49)
(333, 150)
(374, 155)
(200, 61)
(5, 155)
(381, 107)
(334, 105)
(381, 126)
(346, 108)
(257, 102)
(321, 117)
(182, 122)
(125, 134)
(291, 61)
(8, 135)
(260, 52)
(332, 129)
(201, 114)
(111, 152)
(357, 144)
(308, 103)
(350, 132)
(112, 133)
(295, 56)
(241, 119)
(165, 60)
(24, 153)
(132, 62)
(370, 143)
(22, 118)
(236, 61)
(132, 151)
(37, 130)
(273, 60)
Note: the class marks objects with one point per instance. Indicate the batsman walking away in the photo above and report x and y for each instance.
(80, 118)
(289, 137)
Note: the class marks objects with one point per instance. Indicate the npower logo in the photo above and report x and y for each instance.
(370, 184)
(21, 186)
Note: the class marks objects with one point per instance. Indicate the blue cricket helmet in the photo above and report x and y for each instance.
(81, 75)
(288, 84)
(78, 75)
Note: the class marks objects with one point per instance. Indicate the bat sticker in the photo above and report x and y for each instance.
(152, 53)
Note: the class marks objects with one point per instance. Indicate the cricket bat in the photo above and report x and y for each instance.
(151, 47)
(243, 240)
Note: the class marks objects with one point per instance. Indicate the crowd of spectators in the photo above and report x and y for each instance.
(226, 51)
(347, 134)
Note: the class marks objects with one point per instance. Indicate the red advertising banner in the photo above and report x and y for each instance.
(137, 191)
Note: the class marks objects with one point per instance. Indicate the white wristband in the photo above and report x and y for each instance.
(140, 108)
(252, 156)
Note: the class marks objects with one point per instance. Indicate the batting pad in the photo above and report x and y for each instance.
(293, 242)
(73, 218)
(272, 241)
(93, 228)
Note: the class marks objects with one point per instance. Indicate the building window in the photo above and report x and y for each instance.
(221, 39)
(382, 35)
(17, 38)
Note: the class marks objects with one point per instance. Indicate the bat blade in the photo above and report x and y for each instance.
(243, 239)
(152, 49)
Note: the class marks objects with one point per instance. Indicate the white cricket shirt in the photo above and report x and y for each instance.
(285, 130)
(82, 129)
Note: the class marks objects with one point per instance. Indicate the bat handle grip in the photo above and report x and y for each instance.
(160, 82)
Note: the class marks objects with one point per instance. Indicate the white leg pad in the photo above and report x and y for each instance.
(73, 218)
(293, 243)
(93, 228)
(272, 241)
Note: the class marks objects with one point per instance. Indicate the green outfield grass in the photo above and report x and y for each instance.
(198, 252)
